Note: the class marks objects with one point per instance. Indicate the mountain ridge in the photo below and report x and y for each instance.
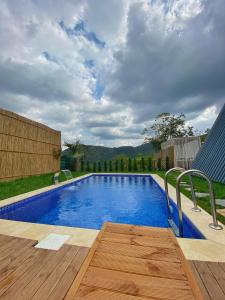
(101, 153)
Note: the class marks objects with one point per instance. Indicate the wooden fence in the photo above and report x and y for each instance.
(27, 147)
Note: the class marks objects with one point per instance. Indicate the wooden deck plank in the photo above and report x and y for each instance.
(90, 293)
(205, 293)
(14, 256)
(157, 253)
(218, 273)
(214, 290)
(138, 230)
(51, 282)
(26, 271)
(45, 271)
(14, 271)
(66, 281)
(130, 239)
(138, 265)
(118, 273)
(138, 285)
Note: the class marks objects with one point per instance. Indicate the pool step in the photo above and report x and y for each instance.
(53, 241)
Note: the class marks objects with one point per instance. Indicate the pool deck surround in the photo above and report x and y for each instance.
(210, 249)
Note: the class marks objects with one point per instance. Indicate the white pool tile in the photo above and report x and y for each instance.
(53, 241)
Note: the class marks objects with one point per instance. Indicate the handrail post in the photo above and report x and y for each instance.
(179, 208)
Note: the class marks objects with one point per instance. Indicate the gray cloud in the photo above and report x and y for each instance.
(163, 69)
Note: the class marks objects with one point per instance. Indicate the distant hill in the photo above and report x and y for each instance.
(101, 153)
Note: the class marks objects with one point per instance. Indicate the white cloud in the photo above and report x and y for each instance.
(158, 56)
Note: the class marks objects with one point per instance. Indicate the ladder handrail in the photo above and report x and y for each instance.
(166, 186)
(213, 225)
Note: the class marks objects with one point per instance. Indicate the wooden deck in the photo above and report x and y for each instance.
(125, 263)
(211, 279)
(134, 263)
(30, 273)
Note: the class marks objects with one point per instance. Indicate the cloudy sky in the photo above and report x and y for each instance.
(102, 69)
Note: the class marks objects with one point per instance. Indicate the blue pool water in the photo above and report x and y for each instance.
(94, 200)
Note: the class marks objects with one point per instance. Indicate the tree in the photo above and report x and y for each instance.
(167, 126)
(77, 151)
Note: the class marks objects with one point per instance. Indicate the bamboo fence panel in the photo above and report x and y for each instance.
(27, 147)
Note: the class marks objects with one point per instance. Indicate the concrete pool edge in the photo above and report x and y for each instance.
(210, 249)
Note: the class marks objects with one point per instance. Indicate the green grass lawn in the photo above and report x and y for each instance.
(27, 184)
(20, 186)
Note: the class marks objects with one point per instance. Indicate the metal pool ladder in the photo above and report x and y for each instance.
(189, 173)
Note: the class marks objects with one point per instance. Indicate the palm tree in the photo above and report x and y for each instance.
(77, 151)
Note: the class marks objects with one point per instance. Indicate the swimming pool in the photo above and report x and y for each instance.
(89, 202)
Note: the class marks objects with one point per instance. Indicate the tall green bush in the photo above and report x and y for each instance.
(129, 165)
(121, 165)
(105, 166)
(116, 165)
(149, 164)
(82, 165)
(94, 167)
(142, 164)
(99, 166)
(87, 166)
(110, 166)
(135, 168)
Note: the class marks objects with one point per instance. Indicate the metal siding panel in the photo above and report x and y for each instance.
(211, 157)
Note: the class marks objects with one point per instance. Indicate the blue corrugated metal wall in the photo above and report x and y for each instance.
(211, 157)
